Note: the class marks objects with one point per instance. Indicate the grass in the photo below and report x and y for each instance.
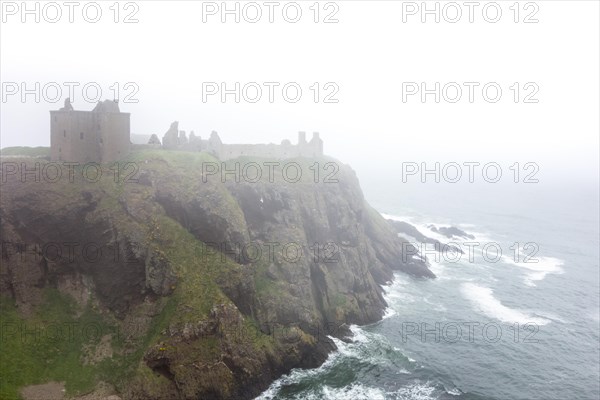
(26, 151)
(49, 345)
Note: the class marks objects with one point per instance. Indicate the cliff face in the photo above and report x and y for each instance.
(212, 288)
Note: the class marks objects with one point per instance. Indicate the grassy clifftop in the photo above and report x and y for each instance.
(26, 151)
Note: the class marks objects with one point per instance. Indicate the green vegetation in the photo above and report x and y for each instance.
(26, 151)
(49, 346)
(53, 344)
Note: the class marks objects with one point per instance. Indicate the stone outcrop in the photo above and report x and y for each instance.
(404, 228)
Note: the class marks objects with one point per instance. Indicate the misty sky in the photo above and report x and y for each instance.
(368, 54)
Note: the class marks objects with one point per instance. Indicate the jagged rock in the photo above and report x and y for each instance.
(405, 228)
(451, 232)
(159, 274)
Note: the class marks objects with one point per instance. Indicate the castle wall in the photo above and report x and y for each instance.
(314, 148)
(84, 136)
(114, 136)
(174, 139)
(74, 136)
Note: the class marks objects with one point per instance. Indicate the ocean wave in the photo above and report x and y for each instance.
(388, 313)
(298, 375)
(404, 218)
(537, 270)
(553, 317)
(398, 297)
(415, 391)
(358, 391)
(352, 392)
(438, 269)
(360, 345)
(423, 226)
(364, 347)
(436, 306)
(484, 301)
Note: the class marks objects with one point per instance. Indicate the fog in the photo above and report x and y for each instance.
(208, 268)
(367, 58)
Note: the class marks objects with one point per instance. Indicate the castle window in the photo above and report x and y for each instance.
(81, 135)
(65, 133)
(55, 118)
(59, 150)
(101, 140)
(98, 126)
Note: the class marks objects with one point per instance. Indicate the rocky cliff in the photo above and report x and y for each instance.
(198, 284)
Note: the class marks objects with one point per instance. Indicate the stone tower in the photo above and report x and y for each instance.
(100, 135)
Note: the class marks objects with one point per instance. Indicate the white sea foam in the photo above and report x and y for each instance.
(552, 316)
(484, 301)
(435, 306)
(353, 392)
(399, 297)
(425, 230)
(358, 334)
(537, 270)
(415, 391)
(359, 347)
(346, 349)
(297, 375)
(389, 312)
(437, 268)
(404, 218)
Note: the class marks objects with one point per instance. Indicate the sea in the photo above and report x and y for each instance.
(516, 316)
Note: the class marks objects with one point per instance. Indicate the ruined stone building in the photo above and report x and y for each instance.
(174, 139)
(103, 136)
(100, 135)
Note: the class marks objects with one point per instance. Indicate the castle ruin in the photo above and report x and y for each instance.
(100, 135)
(103, 136)
(174, 139)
